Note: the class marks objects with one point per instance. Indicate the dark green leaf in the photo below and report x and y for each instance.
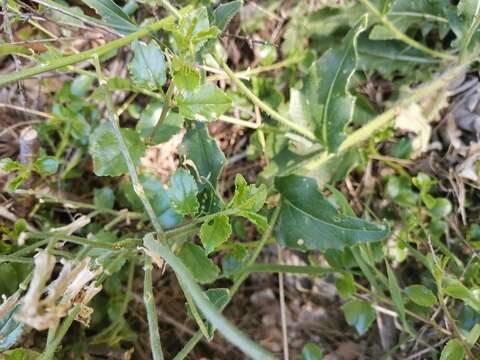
(421, 295)
(148, 69)
(214, 232)
(224, 13)
(208, 162)
(149, 118)
(105, 150)
(112, 15)
(326, 90)
(158, 197)
(360, 314)
(205, 103)
(183, 193)
(195, 259)
(103, 198)
(309, 221)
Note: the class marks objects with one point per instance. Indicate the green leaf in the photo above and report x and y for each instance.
(457, 290)
(46, 165)
(184, 74)
(103, 198)
(360, 314)
(201, 267)
(112, 15)
(258, 220)
(224, 13)
(172, 124)
(8, 165)
(309, 221)
(105, 150)
(219, 297)
(158, 197)
(421, 295)
(214, 232)
(8, 49)
(345, 285)
(405, 14)
(183, 193)
(453, 351)
(205, 103)
(396, 294)
(247, 197)
(312, 351)
(81, 85)
(326, 90)
(21, 354)
(147, 68)
(208, 161)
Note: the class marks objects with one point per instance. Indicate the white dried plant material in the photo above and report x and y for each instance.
(469, 168)
(83, 277)
(77, 224)
(157, 260)
(74, 285)
(8, 304)
(411, 119)
(33, 311)
(86, 312)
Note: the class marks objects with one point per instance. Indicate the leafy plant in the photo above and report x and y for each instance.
(311, 134)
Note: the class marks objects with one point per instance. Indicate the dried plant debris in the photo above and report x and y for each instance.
(74, 285)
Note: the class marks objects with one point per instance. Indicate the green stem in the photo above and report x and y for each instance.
(290, 269)
(188, 347)
(163, 114)
(49, 352)
(259, 69)
(171, 9)
(262, 105)
(401, 36)
(228, 330)
(85, 55)
(149, 300)
(137, 186)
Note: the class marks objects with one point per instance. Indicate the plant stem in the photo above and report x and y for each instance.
(49, 352)
(171, 9)
(163, 114)
(137, 186)
(401, 36)
(149, 300)
(262, 105)
(85, 55)
(188, 347)
(259, 69)
(228, 330)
